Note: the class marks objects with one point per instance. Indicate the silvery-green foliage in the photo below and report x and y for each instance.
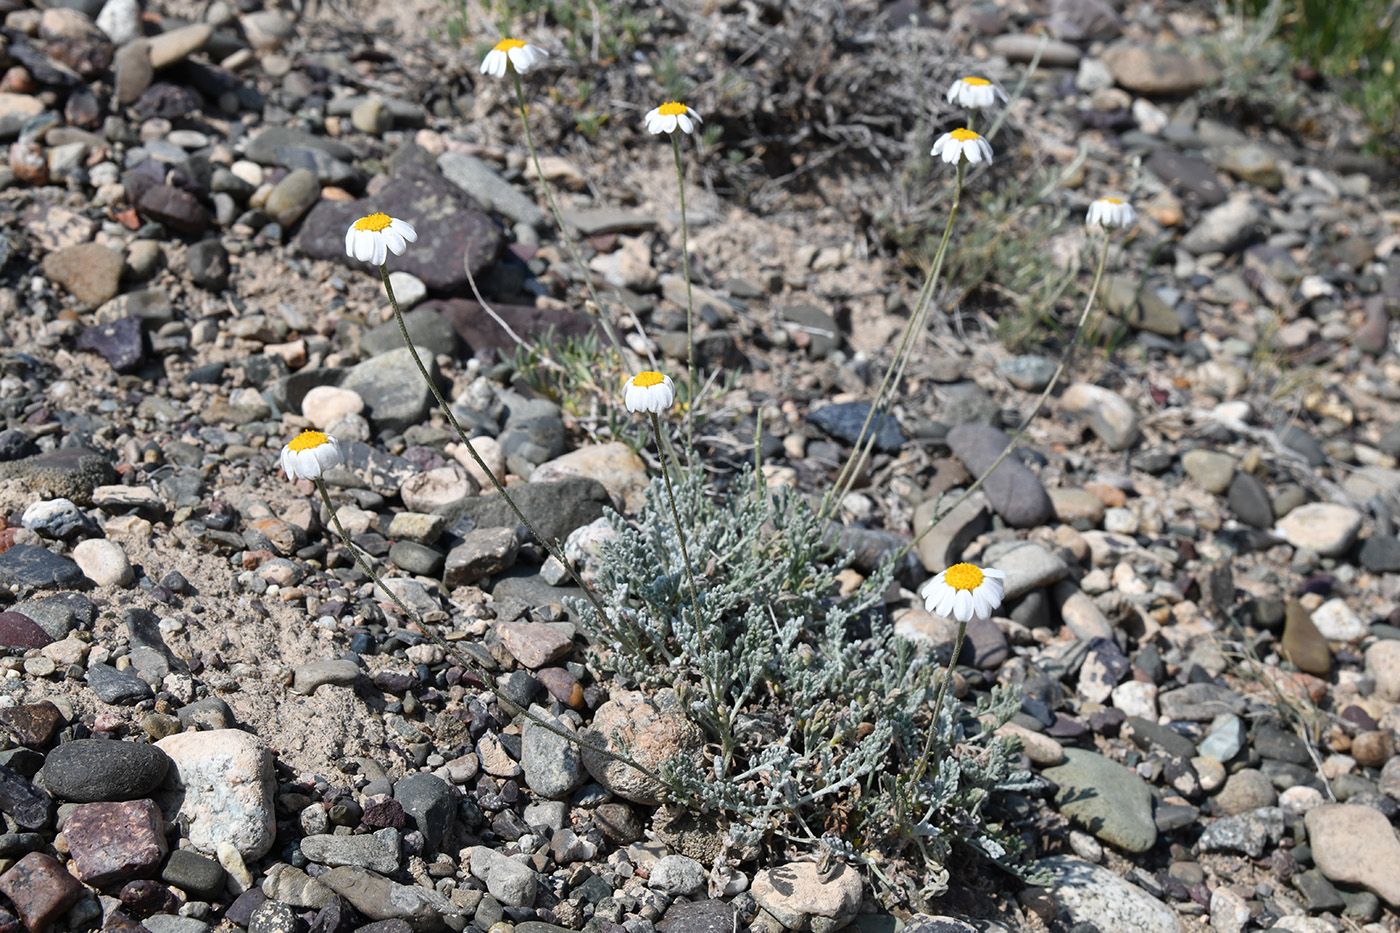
(816, 713)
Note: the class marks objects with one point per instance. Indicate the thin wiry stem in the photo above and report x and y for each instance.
(559, 220)
(552, 547)
(847, 477)
(690, 398)
(1039, 404)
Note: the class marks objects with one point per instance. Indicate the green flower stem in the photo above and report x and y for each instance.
(1039, 404)
(559, 220)
(936, 708)
(712, 685)
(552, 547)
(480, 673)
(689, 305)
(676, 515)
(847, 477)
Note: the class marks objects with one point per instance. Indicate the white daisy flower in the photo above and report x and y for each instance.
(650, 392)
(975, 93)
(511, 54)
(310, 454)
(668, 116)
(372, 238)
(964, 592)
(1111, 212)
(962, 144)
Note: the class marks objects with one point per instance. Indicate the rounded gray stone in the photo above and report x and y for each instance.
(94, 770)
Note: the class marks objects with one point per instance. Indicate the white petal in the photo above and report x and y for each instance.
(631, 396)
(350, 242)
(962, 606)
(684, 122)
(394, 241)
(954, 90)
(993, 572)
(364, 245)
(287, 462)
(946, 601)
(404, 229)
(694, 116)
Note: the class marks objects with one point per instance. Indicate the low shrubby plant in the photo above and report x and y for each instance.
(825, 732)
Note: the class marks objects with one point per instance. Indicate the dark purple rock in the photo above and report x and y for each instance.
(40, 889)
(240, 912)
(340, 917)
(145, 897)
(383, 814)
(32, 724)
(121, 343)
(19, 631)
(453, 233)
(176, 208)
(112, 841)
(1321, 584)
(26, 804)
(166, 100)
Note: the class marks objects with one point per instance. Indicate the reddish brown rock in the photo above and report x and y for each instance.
(1373, 749)
(19, 631)
(561, 685)
(40, 889)
(32, 724)
(112, 841)
(534, 644)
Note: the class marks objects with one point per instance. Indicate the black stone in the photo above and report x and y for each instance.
(207, 264)
(200, 877)
(29, 565)
(1318, 891)
(843, 422)
(117, 687)
(92, 770)
(1380, 554)
(1249, 500)
(121, 343)
(26, 804)
(15, 444)
(431, 802)
(1147, 735)
(554, 508)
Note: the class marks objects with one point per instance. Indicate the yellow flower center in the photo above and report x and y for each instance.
(964, 135)
(310, 440)
(1110, 200)
(671, 109)
(374, 223)
(976, 82)
(963, 577)
(647, 380)
(505, 45)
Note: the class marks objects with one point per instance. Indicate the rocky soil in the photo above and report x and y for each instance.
(210, 717)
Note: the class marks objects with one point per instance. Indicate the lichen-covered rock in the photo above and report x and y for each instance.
(650, 731)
